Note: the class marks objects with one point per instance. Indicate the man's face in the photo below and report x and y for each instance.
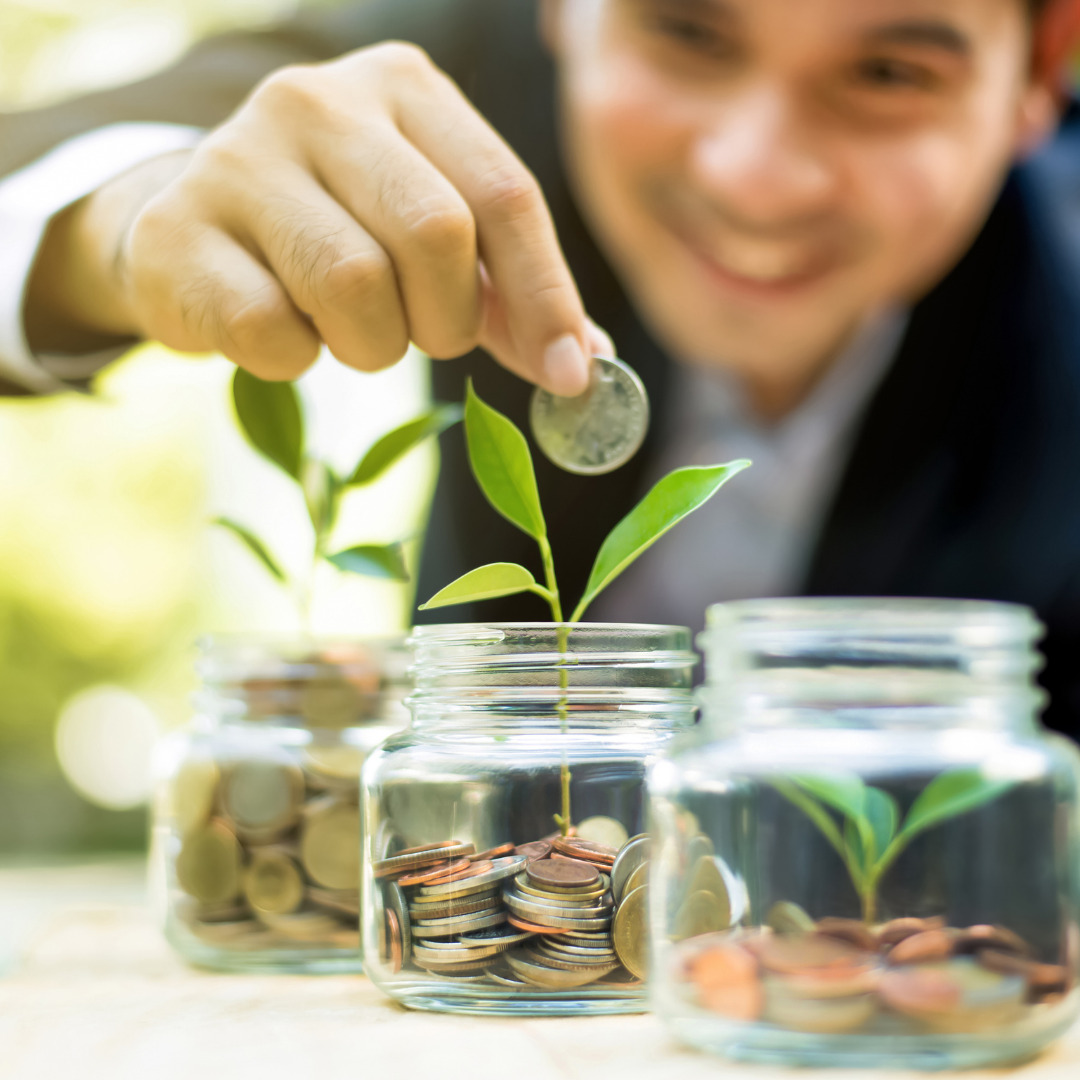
(765, 174)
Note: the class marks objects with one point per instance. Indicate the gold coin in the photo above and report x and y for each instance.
(633, 854)
(208, 866)
(262, 798)
(599, 430)
(272, 883)
(638, 878)
(330, 846)
(336, 762)
(603, 830)
(629, 931)
(707, 876)
(192, 793)
(786, 917)
(702, 912)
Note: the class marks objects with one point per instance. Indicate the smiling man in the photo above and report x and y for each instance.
(836, 236)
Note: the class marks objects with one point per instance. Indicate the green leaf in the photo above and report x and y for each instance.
(855, 846)
(372, 560)
(321, 487)
(254, 545)
(396, 444)
(503, 466)
(952, 793)
(269, 415)
(674, 497)
(486, 583)
(842, 791)
(883, 816)
(814, 811)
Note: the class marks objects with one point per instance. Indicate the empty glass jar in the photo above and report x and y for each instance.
(256, 835)
(502, 851)
(871, 855)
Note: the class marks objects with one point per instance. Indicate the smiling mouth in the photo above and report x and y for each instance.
(754, 268)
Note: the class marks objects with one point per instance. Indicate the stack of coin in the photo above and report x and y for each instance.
(269, 849)
(838, 975)
(539, 915)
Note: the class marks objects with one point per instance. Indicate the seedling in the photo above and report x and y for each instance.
(871, 837)
(503, 467)
(271, 418)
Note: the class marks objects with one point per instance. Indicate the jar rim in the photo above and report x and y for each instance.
(982, 622)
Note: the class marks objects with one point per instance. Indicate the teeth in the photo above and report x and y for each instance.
(758, 264)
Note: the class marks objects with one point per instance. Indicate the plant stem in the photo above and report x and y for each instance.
(563, 819)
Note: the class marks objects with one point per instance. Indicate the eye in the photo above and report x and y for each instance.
(887, 73)
(690, 33)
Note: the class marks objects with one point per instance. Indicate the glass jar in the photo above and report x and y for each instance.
(255, 846)
(501, 828)
(870, 857)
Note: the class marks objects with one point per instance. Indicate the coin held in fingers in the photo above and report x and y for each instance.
(600, 429)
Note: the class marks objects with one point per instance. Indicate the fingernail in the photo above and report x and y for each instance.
(566, 367)
(600, 341)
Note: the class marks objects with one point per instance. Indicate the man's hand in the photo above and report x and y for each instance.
(362, 203)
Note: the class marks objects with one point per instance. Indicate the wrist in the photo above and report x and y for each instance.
(77, 297)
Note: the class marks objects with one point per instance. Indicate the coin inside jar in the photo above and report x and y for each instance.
(600, 429)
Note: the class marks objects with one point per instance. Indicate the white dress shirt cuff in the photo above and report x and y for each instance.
(29, 199)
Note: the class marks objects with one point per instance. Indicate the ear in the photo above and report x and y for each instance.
(1037, 118)
(549, 20)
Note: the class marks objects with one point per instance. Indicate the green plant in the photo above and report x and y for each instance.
(503, 467)
(272, 421)
(871, 836)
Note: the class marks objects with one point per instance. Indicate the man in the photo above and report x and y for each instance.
(796, 218)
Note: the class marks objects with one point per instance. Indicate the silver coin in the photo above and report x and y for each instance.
(600, 429)
(445, 928)
(501, 868)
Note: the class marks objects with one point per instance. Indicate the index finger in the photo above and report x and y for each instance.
(515, 232)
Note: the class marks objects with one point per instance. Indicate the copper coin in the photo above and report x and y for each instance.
(415, 858)
(852, 931)
(533, 928)
(924, 948)
(991, 937)
(727, 982)
(425, 848)
(802, 955)
(469, 870)
(393, 933)
(1041, 978)
(572, 845)
(919, 991)
(538, 849)
(434, 873)
(493, 853)
(895, 931)
(562, 872)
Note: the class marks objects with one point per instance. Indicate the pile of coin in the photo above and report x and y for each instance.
(552, 914)
(269, 849)
(836, 976)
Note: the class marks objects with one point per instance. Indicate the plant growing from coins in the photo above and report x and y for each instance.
(870, 836)
(502, 465)
(271, 418)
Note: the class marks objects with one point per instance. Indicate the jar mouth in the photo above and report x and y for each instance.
(309, 681)
(966, 622)
(547, 665)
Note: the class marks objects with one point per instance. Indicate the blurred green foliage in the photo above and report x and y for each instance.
(107, 567)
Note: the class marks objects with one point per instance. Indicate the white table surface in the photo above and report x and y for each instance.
(98, 994)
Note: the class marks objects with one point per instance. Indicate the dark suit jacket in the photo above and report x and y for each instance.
(963, 481)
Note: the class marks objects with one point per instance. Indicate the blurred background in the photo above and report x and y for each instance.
(108, 569)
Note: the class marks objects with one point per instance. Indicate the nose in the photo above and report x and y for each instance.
(760, 161)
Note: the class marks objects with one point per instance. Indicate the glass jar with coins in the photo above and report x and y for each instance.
(256, 833)
(503, 858)
(871, 854)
